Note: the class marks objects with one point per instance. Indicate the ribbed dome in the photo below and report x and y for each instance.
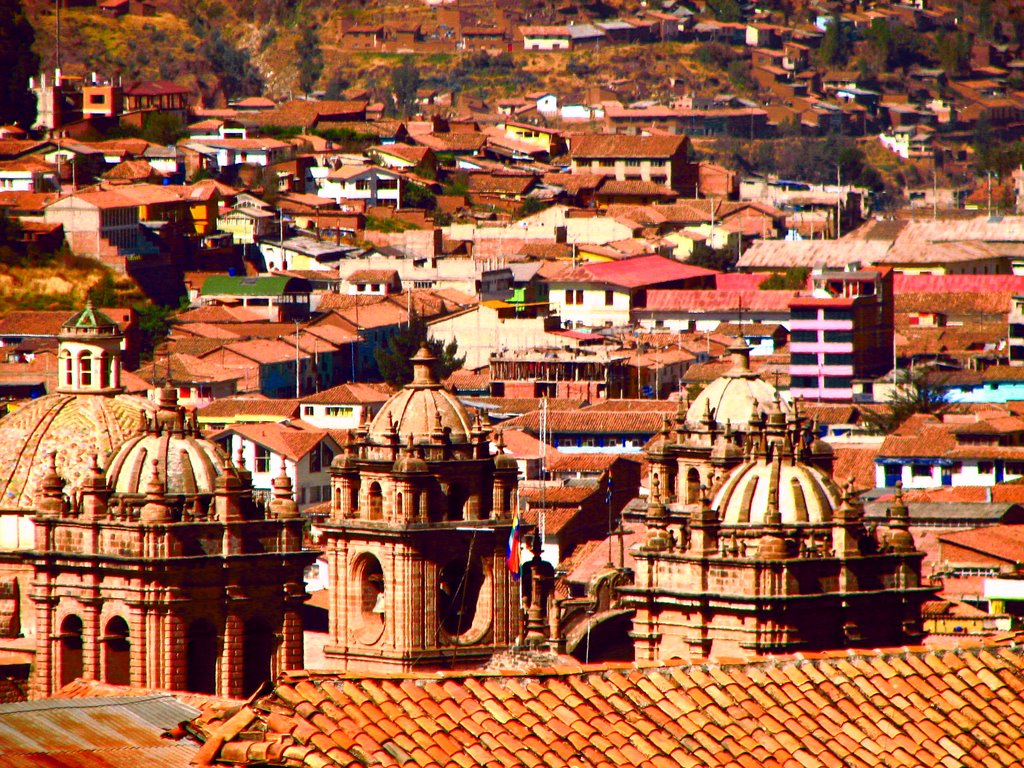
(422, 408)
(72, 426)
(804, 494)
(187, 463)
(733, 396)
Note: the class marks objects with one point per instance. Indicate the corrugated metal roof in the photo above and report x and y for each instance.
(117, 732)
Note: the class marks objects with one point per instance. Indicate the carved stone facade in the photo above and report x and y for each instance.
(421, 514)
(161, 572)
(780, 561)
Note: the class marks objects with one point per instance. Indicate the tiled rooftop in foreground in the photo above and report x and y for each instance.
(913, 707)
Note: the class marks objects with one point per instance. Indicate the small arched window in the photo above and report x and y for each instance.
(374, 502)
(117, 651)
(71, 658)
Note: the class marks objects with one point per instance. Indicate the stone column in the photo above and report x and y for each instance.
(91, 630)
(232, 654)
(290, 654)
(174, 650)
(137, 614)
(44, 666)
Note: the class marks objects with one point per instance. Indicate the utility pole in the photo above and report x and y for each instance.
(839, 202)
(296, 359)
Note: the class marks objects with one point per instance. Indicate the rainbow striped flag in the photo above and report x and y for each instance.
(512, 554)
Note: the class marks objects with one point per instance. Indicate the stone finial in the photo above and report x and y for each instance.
(423, 368)
(94, 491)
(657, 536)
(156, 509)
(51, 489)
(899, 538)
(282, 505)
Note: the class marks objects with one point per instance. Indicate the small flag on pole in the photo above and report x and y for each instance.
(512, 555)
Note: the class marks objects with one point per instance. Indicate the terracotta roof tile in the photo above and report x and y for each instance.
(801, 712)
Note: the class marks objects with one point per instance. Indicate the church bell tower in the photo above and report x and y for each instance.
(421, 514)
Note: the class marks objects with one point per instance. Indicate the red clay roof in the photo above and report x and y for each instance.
(240, 407)
(599, 145)
(720, 300)
(1004, 542)
(846, 708)
(636, 272)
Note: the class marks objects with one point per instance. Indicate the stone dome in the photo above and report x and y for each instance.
(423, 408)
(72, 426)
(736, 394)
(186, 463)
(803, 493)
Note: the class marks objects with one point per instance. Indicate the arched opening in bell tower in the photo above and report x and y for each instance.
(201, 657)
(459, 585)
(258, 647)
(117, 652)
(72, 660)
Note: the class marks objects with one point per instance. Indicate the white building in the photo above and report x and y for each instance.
(345, 406)
(305, 454)
(369, 183)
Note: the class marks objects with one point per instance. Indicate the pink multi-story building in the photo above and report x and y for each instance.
(842, 333)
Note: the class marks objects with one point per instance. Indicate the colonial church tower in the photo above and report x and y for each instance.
(779, 561)
(162, 572)
(416, 541)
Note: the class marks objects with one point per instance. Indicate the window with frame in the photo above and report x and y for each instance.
(803, 358)
(804, 336)
(838, 382)
(315, 460)
(609, 298)
(566, 442)
(840, 337)
(920, 470)
(985, 467)
(262, 459)
(804, 313)
(632, 163)
(836, 358)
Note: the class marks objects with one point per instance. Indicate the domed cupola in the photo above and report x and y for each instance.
(169, 441)
(732, 396)
(775, 476)
(424, 411)
(88, 415)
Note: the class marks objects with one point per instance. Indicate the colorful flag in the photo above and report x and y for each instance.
(512, 556)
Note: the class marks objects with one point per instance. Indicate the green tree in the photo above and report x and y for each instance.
(726, 10)
(419, 196)
(793, 279)
(154, 325)
(17, 64)
(337, 85)
(311, 58)
(163, 128)
(835, 47)
(986, 24)
(405, 81)
(954, 53)
(393, 359)
(919, 391)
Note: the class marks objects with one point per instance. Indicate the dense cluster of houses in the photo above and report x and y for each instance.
(566, 244)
